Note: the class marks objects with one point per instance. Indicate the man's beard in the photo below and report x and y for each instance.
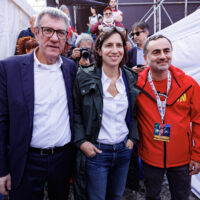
(108, 20)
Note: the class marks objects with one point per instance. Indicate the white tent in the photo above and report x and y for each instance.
(14, 17)
(185, 37)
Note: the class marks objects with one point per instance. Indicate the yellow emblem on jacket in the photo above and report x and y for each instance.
(183, 98)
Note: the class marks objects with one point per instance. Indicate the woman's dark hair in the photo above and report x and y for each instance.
(100, 40)
(93, 7)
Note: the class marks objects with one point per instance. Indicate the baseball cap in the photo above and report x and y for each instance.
(107, 8)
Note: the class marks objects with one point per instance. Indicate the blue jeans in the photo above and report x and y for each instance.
(107, 172)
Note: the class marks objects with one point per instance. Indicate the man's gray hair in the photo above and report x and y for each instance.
(83, 37)
(63, 7)
(153, 38)
(52, 12)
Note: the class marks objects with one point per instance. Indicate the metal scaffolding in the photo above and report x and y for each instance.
(155, 11)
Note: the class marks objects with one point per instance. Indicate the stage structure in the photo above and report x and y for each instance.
(157, 13)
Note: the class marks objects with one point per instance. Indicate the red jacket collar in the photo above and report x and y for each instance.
(180, 84)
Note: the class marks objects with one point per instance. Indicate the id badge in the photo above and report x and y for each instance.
(162, 132)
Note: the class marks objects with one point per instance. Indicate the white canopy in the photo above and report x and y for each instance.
(185, 37)
(14, 17)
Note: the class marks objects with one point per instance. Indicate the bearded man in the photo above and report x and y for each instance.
(107, 23)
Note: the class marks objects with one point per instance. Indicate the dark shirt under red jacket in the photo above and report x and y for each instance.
(94, 29)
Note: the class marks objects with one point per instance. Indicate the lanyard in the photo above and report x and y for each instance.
(161, 106)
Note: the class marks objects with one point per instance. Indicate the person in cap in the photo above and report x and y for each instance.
(108, 22)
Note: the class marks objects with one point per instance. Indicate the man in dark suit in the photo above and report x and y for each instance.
(36, 115)
(140, 32)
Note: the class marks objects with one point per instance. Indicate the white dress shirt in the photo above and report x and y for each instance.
(51, 126)
(140, 56)
(113, 128)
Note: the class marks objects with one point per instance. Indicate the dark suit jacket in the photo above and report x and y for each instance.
(17, 109)
(132, 57)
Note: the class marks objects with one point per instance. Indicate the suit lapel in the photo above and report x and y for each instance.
(68, 86)
(27, 74)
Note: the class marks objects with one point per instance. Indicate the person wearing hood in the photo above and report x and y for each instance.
(108, 22)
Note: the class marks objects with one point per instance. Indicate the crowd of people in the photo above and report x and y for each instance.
(88, 106)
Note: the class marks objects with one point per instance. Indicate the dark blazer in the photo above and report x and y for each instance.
(132, 57)
(26, 32)
(17, 110)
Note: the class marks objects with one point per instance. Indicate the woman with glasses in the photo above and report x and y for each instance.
(104, 120)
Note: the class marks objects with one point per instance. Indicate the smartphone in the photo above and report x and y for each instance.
(139, 66)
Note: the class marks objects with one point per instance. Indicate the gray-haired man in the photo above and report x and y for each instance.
(36, 115)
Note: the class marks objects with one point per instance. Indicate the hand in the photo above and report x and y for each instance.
(89, 149)
(119, 19)
(84, 61)
(129, 144)
(194, 167)
(76, 53)
(76, 34)
(5, 184)
(111, 24)
(138, 69)
(100, 27)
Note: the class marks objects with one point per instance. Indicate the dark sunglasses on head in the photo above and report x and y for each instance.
(110, 28)
(137, 33)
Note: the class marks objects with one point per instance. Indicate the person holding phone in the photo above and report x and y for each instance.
(140, 32)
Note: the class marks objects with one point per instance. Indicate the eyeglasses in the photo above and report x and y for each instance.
(48, 32)
(108, 14)
(137, 33)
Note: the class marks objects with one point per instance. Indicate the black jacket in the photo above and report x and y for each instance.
(88, 109)
(132, 57)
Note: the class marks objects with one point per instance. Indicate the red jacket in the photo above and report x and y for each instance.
(183, 107)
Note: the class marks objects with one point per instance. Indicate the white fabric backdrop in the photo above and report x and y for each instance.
(185, 37)
(14, 17)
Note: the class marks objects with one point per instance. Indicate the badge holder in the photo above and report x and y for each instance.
(162, 132)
